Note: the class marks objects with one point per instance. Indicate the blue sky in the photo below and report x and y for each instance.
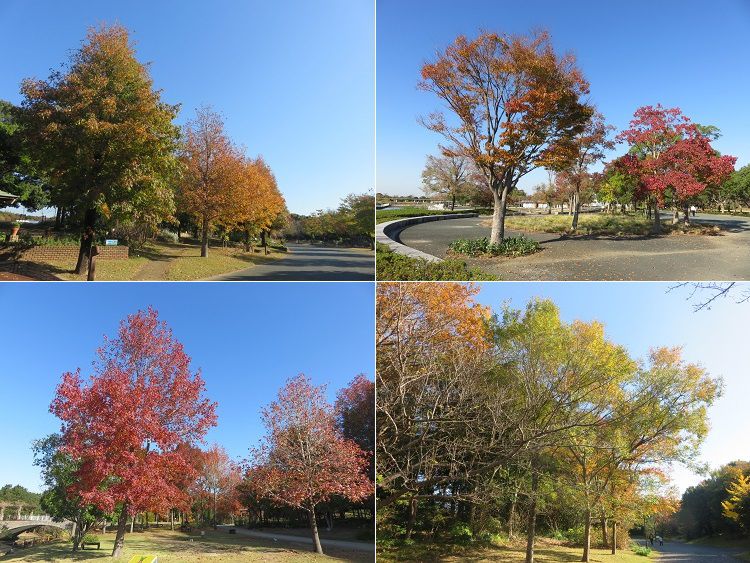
(247, 339)
(645, 315)
(685, 53)
(293, 78)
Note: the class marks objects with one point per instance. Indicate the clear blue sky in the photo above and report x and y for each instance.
(294, 79)
(247, 339)
(685, 53)
(644, 315)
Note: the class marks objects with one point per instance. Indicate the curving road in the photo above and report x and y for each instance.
(678, 552)
(677, 257)
(306, 262)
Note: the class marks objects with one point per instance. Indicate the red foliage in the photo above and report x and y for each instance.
(129, 424)
(304, 459)
(669, 152)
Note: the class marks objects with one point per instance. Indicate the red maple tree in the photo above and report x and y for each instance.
(670, 154)
(303, 459)
(126, 424)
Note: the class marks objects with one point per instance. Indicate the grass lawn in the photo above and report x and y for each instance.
(383, 215)
(161, 261)
(599, 224)
(177, 547)
(546, 551)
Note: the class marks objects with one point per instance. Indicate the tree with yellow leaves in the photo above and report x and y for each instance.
(737, 506)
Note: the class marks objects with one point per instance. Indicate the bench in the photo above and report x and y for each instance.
(92, 543)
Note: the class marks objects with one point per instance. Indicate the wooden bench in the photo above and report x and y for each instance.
(97, 544)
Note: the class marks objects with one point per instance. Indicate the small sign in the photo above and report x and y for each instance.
(111, 242)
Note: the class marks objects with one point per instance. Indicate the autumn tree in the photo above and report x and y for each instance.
(218, 478)
(447, 176)
(105, 137)
(125, 425)
(303, 459)
(587, 148)
(515, 106)
(671, 155)
(214, 172)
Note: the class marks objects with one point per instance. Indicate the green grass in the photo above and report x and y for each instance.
(599, 224)
(383, 215)
(177, 547)
(106, 270)
(218, 261)
(546, 551)
(391, 266)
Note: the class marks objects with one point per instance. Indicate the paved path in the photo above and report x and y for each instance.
(306, 262)
(341, 544)
(675, 257)
(678, 552)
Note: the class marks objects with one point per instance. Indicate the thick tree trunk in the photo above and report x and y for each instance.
(314, 531)
(171, 519)
(82, 253)
(499, 197)
(204, 238)
(120, 535)
(686, 211)
(531, 521)
(587, 537)
(605, 532)
(264, 241)
(453, 202)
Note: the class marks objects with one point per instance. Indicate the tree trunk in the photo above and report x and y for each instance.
(171, 519)
(412, 517)
(204, 238)
(264, 241)
(120, 536)
(512, 514)
(687, 214)
(587, 537)
(576, 210)
(82, 253)
(453, 202)
(132, 523)
(605, 533)
(614, 537)
(656, 228)
(531, 522)
(314, 531)
(499, 196)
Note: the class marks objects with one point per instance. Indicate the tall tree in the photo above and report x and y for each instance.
(213, 173)
(105, 136)
(304, 459)
(125, 425)
(218, 477)
(446, 176)
(517, 105)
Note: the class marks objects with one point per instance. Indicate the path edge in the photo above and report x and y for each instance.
(386, 233)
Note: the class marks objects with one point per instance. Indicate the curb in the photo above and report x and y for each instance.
(386, 233)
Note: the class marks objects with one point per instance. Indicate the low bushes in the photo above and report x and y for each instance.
(513, 246)
(396, 267)
(641, 550)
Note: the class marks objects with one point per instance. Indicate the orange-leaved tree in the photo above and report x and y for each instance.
(515, 105)
(213, 171)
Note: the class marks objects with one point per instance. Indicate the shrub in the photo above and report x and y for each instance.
(574, 535)
(461, 533)
(641, 550)
(90, 538)
(397, 267)
(513, 246)
(165, 235)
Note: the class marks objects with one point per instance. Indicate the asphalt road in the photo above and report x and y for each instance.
(676, 257)
(677, 552)
(284, 538)
(306, 262)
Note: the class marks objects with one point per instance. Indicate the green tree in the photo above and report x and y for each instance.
(106, 137)
(59, 473)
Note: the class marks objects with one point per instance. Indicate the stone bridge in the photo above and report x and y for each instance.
(10, 529)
